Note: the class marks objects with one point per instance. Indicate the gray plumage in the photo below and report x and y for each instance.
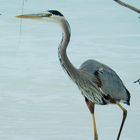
(86, 79)
(111, 84)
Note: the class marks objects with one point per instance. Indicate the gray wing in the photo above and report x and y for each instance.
(110, 82)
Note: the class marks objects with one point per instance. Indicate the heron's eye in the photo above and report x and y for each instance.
(47, 15)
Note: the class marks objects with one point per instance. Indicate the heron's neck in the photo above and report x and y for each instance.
(65, 62)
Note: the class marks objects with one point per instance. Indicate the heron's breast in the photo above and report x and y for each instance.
(93, 96)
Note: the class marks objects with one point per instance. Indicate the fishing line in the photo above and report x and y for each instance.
(22, 12)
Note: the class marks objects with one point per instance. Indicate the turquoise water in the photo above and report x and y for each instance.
(37, 99)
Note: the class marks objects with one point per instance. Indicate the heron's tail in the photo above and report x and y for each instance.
(128, 99)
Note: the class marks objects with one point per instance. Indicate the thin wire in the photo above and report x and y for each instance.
(22, 11)
(20, 30)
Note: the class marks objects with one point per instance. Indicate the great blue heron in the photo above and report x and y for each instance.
(98, 83)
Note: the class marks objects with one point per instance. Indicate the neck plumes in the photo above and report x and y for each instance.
(65, 62)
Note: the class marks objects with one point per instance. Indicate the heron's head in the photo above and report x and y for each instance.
(50, 15)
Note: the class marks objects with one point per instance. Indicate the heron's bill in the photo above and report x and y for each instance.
(35, 16)
(29, 16)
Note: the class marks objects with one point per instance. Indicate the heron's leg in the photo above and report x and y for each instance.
(94, 126)
(91, 107)
(123, 120)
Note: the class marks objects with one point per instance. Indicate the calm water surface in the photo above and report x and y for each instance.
(37, 99)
